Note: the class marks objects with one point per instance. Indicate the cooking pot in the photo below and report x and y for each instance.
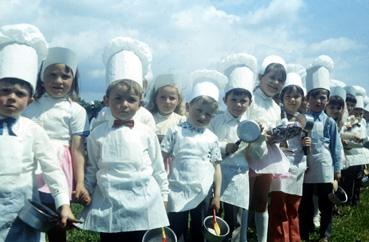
(248, 131)
(155, 235)
(208, 228)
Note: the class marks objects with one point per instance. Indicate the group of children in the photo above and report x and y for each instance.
(170, 162)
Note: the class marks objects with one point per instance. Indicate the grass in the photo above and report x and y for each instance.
(351, 226)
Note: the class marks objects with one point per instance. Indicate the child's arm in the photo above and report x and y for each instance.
(93, 152)
(77, 151)
(217, 186)
(335, 147)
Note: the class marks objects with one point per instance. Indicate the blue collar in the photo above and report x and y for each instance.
(187, 125)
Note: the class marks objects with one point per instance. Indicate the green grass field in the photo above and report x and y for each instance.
(351, 226)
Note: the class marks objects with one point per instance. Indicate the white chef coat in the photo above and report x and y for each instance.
(195, 152)
(19, 155)
(125, 174)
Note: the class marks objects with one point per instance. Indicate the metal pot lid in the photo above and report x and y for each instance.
(248, 131)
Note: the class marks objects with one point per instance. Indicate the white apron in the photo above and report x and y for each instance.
(320, 164)
(17, 185)
(235, 180)
(292, 184)
(125, 198)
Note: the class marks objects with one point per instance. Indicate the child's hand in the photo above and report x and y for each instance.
(215, 203)
(66, 215)
(306, 141)
(231, 148)
(337, 176)
(81, 195)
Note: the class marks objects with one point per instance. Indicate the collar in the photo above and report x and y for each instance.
(261, 94)
(318, 115)
(189, 126)
(231, 118)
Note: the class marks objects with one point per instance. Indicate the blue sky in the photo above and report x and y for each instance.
(185, 35)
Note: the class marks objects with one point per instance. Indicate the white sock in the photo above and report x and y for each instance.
(261, 224)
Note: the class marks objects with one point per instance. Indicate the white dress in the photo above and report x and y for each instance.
(234, 167)
(61, 118)
(164, 122)
(194, 151)
(19, 156)
(125, 174)
(264, 110)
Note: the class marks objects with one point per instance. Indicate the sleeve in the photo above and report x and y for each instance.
(93, 151)
(46, 156)
(158, 167)
(335, 146)
(167, 144)
(79, 124)
(214, 152)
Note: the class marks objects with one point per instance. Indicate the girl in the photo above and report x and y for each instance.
(265, 111)
(286, 193)
(65, 122)
(196, 157)
(166, 104)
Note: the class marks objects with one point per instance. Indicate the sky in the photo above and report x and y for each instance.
(185, 35)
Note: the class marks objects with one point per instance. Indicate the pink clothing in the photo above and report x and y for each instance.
(65, 161)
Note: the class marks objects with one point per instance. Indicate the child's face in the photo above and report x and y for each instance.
(200, 114)
(237, 104)
(57, 81)
(350, 107)
(334, 110)
(358, 113)
(13, 99)
(292, 101)
(167, 99)
(270, 85)
(123, 104)
(318, 102)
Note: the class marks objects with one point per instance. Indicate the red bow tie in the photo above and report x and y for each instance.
(119, 123)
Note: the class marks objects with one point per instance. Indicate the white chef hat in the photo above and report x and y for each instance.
(366, 103)
(318, 75)
(127, 58)
(167, 79)
(60, 55)
(359, 93)
(337, 88)
(269, 60)
(207, 83)
(22, 48)
(240, 69)
(295, 74)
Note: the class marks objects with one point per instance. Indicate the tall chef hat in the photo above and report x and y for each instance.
(127, 58)
(295, 74)
(338, 89)
(167, 79)
(60, 55)
(22, 48)
(269, 60)
(359, 93)
(240, 69)
(207, 83)
(319, 73)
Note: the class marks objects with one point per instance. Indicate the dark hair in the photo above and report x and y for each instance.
(206, 100)
(238, 92)
(289, 89)
(279, 72)
(351, 98)
(153, 108)
(315, 92)
(132, 87)
(336, 100)
(20, 82)
(40, 90)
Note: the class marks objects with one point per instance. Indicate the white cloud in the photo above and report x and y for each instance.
(340, 44)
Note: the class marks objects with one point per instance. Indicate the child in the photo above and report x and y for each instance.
(115, 58)
(125, 172)
(265, 111)
(240, 69)
(286, 192)
(353, 134)
(166, 104)
(336, 107)
(324, 162)
(65, 122)
(23, 143)
(196, 157)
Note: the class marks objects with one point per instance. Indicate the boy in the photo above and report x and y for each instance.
(324, 160)
(196, 157)
(240, 69)
(23, 143)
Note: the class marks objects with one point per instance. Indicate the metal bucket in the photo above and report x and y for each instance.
(38, 216)
(209, 232)
(155, 235)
